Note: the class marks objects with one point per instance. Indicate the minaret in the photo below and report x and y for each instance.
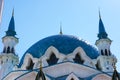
(103, 43)
(106, 60)
(8, 58)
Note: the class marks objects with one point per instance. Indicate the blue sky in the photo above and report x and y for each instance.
(37, 19)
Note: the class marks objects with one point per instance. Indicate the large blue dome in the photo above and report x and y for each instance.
(64, 43)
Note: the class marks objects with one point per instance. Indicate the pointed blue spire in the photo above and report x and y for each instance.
(11, 29)
(102, 33)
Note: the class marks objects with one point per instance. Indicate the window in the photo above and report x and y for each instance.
(106, 52)
(78, 59)
(30, 65)
(98, 65)
(109, 52)
(107, 68)
(12, 50)
(4, 50)
(52, 60)
(8, 49)
(102, 52)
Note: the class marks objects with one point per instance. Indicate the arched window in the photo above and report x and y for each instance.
(109, 52)
(106, 52)
(12, 50)
(98, 65)
(30, 65)
(52, 60)
(102, 52)
(78, 59)
(4, 50)
(8, 49)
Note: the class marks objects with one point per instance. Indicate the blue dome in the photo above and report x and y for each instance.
(64, 43)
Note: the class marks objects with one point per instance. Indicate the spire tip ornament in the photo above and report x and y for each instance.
(13, 12)
(99, 14)
(61, 28)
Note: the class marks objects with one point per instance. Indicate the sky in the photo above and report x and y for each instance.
(37, 19)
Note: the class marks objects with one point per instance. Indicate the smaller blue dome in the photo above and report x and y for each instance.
(65, 44)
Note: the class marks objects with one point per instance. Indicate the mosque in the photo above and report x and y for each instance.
(58, 57)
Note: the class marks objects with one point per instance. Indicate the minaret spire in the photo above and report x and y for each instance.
(11, 28)
(61, 29)
(102, 33)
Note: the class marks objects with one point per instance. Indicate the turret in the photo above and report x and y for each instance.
(106, 59)
(8, 58)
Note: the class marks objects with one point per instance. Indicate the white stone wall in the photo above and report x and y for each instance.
(107, 63)
(7, 62)
(9, 41)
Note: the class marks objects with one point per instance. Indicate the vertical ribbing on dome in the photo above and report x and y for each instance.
(102, 33)
(11, 28)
